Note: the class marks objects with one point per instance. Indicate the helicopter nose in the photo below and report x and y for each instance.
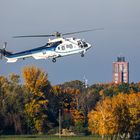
(89, 46)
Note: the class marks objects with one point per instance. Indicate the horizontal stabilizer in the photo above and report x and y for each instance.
(11, 60)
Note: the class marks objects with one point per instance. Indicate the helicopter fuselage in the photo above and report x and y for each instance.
(55, 48)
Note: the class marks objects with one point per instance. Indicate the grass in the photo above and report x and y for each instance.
(34, 137)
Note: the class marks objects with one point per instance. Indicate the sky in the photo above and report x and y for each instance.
(121, 36)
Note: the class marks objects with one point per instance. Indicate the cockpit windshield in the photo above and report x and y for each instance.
(85, 44)
(82, 44)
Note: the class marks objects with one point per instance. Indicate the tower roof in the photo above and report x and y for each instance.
(121, 59)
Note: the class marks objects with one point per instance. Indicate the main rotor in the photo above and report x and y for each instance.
(58, 34)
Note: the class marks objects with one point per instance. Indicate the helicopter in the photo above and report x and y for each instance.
(53, 49)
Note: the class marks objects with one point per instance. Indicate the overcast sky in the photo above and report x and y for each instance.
(121, 35)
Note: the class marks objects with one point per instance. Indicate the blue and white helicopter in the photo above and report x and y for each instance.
(55, 48)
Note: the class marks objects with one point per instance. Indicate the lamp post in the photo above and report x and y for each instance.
(59, 123)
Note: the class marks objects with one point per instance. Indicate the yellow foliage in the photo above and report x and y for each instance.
(102, 120)
(39, 126)
(119, 114)
(37, 83)
(35, 79)
(57, 90)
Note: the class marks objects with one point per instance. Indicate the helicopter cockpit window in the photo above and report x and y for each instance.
(85, 44)
(80, 44)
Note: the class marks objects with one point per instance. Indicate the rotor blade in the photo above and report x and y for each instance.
(83, 31)
(33, 36)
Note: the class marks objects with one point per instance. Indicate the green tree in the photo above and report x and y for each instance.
(12, 105)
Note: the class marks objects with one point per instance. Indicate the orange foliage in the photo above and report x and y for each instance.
(77, 116)
(119, 114)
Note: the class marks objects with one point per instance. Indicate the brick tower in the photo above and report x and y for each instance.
(120, 71)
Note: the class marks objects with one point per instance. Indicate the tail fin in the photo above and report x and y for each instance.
(3, 51)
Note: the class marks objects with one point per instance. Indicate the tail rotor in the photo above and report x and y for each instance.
(4, 45)
(3, 50)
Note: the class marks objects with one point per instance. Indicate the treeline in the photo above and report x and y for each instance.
(33, 107)
(116, 117)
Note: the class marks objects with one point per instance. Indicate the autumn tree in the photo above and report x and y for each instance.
(116, 116)
(78, 120)
(133, 101)
(102, 120)
(39, 87)
(66, 99)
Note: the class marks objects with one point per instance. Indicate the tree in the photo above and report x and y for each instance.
(39, 87)
(12, 98)
(3, 86)
(118, 115)
(134, 110)
(78, 120)
(36, 80)
(102, 120)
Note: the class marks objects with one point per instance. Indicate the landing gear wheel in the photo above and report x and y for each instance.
(82, 55)
(54, 60)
